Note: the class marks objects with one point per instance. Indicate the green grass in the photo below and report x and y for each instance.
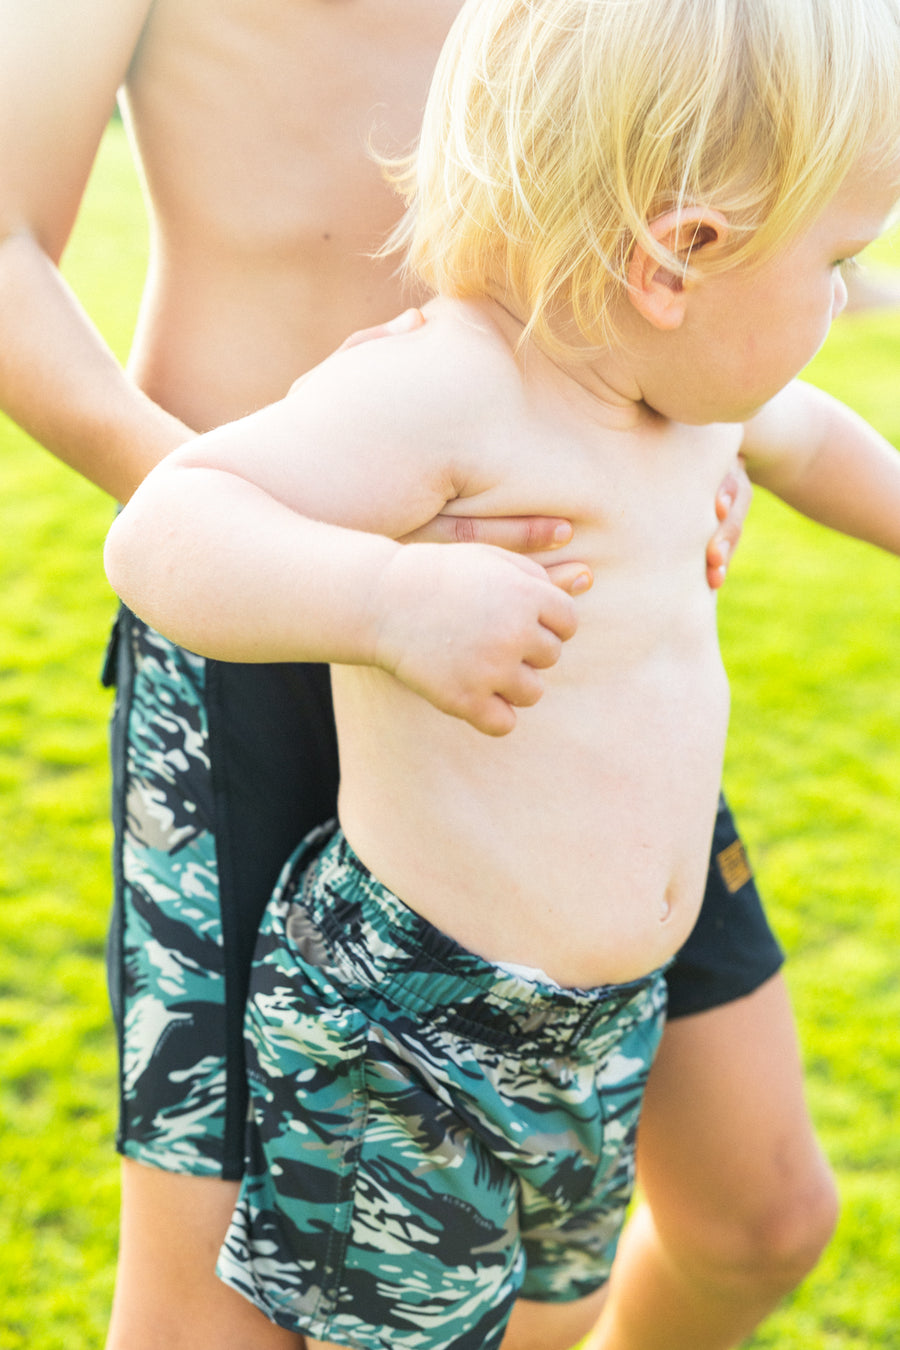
(811, 634)
(58, 1172)
(811, 631)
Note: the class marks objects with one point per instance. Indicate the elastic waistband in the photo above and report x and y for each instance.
(376, 944)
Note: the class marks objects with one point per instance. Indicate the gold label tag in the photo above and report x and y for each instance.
(734, 867)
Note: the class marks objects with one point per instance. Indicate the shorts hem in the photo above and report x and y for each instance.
(708, 1001)
(164, 1160)
(561, 1299)
(360, 1337)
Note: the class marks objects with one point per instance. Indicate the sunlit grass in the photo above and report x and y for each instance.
(58, 1173)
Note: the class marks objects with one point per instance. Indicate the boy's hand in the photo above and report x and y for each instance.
(520, 534)
(470, 629)
(536, 534)
(406, 322)
(732, 505)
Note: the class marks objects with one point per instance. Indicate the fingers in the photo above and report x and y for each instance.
(558, 614)
(517, 534)
(525, 686)
(495, 714)
(732, 504)
(487, 624)
(716, 564)
(543, 652)
(496, 718)
(406, 322)
(526, 689)
(556, 611)
(572, 577)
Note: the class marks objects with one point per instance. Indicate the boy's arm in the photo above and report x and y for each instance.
(827, 462)
(60, 66)
(273, 539)
(536, 534)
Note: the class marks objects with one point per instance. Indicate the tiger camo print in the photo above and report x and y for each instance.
(430, 1135)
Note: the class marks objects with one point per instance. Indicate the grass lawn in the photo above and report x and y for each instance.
(811, 632)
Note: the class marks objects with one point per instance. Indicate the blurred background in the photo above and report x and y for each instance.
(811, 634)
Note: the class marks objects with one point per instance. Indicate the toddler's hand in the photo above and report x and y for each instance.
(470, 629)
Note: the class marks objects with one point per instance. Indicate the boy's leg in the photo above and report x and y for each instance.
(167, 1293)
(210, 796)
(738, 1199)
(536, 1326)
(552, 1326)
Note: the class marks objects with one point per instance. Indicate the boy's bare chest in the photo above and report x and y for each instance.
(308, 79)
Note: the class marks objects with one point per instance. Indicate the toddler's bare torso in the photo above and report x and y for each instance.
(579, 843)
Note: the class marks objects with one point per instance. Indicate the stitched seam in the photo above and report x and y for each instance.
(339, 1238)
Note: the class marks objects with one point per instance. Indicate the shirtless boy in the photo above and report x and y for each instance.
(457, 984)
(251, 123)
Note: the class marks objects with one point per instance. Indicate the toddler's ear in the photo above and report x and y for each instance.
(657, 291)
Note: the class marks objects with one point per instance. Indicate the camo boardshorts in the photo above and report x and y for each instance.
(218, 770)
(431, 1136)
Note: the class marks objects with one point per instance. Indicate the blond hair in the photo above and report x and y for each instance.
(555, 130)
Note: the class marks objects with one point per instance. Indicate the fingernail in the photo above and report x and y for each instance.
(404, 322)
(562, 534)
(580, 584)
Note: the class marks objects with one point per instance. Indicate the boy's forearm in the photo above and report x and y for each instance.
(60, 382)
(275, 587)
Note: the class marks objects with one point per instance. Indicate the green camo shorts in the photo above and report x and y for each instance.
(430, 1136)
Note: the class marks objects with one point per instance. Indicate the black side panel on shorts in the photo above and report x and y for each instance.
(732, 950)
(275, 776)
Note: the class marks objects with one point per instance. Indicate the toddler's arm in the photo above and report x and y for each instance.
(273, 539)
(824, 460)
